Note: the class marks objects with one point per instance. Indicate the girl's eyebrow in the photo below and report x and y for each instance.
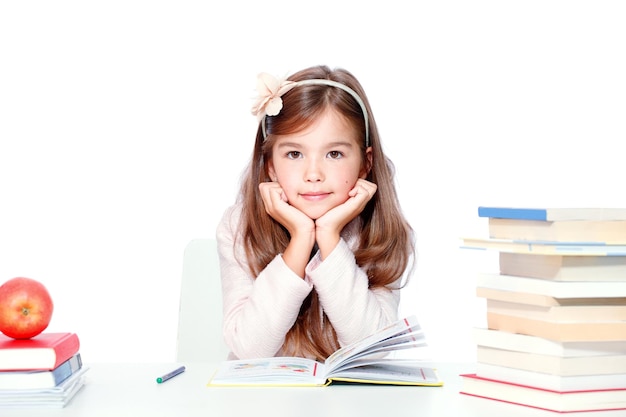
(345, 143)
(334, 144)
(289, 145)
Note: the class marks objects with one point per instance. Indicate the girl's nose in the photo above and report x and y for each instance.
(313, 172)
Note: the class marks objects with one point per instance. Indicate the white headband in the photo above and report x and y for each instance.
(270, 103)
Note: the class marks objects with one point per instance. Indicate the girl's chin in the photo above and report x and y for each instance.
(316, 210)
(315, 213)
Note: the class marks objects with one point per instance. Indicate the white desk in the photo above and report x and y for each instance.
(119, 390)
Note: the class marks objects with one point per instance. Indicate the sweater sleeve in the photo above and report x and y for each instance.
(259, 312)
(354, 309)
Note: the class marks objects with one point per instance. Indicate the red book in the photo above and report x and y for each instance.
(43, 352)
(559, 401)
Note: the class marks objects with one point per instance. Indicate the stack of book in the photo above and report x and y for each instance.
(44, 371)
(556, 309)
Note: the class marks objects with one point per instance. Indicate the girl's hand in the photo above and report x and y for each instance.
(300, 227)
(329, 226)
(277, 206)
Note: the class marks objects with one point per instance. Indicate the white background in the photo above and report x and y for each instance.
(125, 125)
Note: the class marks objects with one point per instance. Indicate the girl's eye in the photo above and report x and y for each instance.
(335, 154)
(293, 154)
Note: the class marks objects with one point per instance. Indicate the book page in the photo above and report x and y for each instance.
(276, 369)
(379, 351)
(399, 328)
(391, 371)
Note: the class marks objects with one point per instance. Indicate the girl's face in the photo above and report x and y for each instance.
(317, 167)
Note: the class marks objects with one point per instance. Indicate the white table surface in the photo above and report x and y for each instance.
(131, 390)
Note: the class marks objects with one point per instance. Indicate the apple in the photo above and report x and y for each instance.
(25, 308)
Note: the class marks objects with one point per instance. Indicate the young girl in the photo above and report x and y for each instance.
(314, 252)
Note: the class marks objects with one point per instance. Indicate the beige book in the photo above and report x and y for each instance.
(543, 300)
(564, 268)
(559, 331)
(598, 231)
(559, 313)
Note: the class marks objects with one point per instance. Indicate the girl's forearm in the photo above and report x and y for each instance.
(298, 252)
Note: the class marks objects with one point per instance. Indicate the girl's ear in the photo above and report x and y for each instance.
(270, 171)
(368, 163)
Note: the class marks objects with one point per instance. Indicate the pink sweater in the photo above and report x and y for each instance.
(259, 312)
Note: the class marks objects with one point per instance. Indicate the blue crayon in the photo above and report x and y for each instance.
(170, 375)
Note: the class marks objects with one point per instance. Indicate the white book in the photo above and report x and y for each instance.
(364, 361)
(556, 365)
(533, 344)
(550, 381)
(556, 289)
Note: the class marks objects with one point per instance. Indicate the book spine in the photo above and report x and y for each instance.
(66, 349)
(513, 213)
(67, 369)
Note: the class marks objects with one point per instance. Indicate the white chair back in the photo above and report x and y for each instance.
(200, 337)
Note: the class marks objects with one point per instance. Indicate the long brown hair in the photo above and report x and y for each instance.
(386, 242)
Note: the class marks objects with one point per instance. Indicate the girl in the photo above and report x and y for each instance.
(314, 252)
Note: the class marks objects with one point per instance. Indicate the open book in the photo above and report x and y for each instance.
(360, 362)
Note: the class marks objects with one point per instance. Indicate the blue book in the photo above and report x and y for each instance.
(546, 248)
(553, 214)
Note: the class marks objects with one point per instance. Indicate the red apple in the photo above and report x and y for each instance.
(25, 308)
